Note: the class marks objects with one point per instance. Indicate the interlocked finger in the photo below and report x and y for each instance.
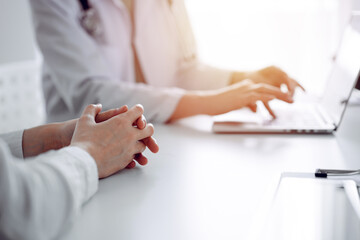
(141, 159)
(139, 147)
(148, 131)
(101, 117)
(134, 113)
(151, 144)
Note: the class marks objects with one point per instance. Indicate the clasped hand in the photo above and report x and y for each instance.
(114, 138)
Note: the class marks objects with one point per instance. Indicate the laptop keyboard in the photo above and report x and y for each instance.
(296, 117)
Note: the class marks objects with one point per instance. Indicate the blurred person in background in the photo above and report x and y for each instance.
(125, 51)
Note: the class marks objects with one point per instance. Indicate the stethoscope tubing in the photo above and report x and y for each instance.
(90, 21)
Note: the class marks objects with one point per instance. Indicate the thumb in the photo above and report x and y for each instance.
(104, 116)
(91, 111)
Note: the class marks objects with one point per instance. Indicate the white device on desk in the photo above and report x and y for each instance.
(311, 117)
(307, 208)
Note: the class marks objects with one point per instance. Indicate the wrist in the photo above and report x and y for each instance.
(65, 132)
(190, 104)
(41, 139)
(239, 76)
(221, 101)
(89, 148)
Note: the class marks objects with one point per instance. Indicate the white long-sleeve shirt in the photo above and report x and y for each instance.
(80, 69)
(40, 196)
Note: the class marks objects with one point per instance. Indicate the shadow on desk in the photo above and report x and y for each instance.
(200, 128)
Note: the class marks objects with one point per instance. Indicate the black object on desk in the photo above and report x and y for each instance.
(324, 173)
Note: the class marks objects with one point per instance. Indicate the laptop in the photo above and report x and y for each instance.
(316, 116)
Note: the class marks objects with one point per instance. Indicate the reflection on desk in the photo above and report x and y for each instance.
(311, 209)
(207, 186)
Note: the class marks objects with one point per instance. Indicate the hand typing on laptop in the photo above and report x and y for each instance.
(269, 77)
(321, 116)
(272, 75)
(247, 93)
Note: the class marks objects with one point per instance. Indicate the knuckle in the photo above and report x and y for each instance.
(250, 81)
(91, 107)
(142, 147)
(139, 108)
(252, 97)
(259, 86)
(82, 119)
(273, 68)
(151, 129)
(137, 148)
(247, 81)
(85, 118)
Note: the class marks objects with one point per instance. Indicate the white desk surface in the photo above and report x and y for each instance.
(207, 186)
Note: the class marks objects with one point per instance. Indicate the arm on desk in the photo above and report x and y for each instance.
(223, 100)
(41, 196)
(54, 136)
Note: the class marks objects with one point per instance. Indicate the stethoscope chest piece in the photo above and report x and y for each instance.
(90, 21)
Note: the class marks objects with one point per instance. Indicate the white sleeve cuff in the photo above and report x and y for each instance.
(86, 172)
(79, 170)
(14, 141)
(198, 76)
(166, 108)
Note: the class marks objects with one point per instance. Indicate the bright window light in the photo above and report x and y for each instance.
(300, 36)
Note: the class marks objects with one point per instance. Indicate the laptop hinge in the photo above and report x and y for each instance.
(325, 116)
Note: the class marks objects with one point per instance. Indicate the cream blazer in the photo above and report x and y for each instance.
(79, 69)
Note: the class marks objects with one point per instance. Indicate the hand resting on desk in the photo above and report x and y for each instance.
(115, 142)
(58, 135)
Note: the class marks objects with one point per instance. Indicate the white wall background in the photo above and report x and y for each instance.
(21, 99)
(298, 35)
(17, 38)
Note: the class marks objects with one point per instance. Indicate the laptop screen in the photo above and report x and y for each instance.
(345, 72)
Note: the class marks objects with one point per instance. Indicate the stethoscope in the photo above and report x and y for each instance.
(90, 19)
(91, 22)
